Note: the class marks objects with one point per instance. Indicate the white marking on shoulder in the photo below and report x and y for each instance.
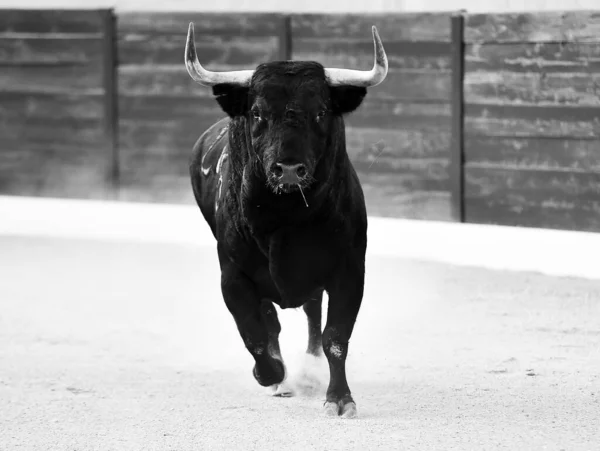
(206, 170)
(222, 158)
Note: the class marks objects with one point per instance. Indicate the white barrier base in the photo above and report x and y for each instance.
(552, 252)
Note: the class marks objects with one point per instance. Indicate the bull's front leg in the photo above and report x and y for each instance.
(345, 298)
(256, 322)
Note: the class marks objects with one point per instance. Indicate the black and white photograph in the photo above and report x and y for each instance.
(261, 226)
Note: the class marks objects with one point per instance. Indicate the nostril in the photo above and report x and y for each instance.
(278, 170)
(301, 171)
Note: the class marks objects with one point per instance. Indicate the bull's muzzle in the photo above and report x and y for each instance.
(289, 174)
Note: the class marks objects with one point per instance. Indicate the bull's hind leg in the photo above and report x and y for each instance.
(249, 313)
(312, 375)
(345, 298)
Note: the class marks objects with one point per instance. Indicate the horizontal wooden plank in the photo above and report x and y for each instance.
(159, 80)
(399, 115)
(537, 199)
(142, 138)
(524, 188)
(167, 108)
(53, 79)
(580, 26)
(213, 51)
(359, 54)
(387, 195)
(51, 21)
(534, 57)
(205, 24)
(19, 106)
(538, 154)
(371, 145)
(583, 217)
(52, 134)
(431, 170)
(391, 27)
(503, 88)
(532, 120)
(50, 51)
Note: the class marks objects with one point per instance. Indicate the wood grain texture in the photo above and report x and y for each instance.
(579, 26)
(386, 195)
(205, 24)
(88, 22)
(391, 27)
(541, 73)
(522, 188)
(536, 199)
(533, 154)
(581, 217)
(24, 106)
(18, 51)
(214, 52)
(370, 144)
(504, 88)
(53, 133)
(532, 121)
(163, 80)
(53, 79)
(358, 54)
(534, 57)
(400, 115)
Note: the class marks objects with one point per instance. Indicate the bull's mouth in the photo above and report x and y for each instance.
(287, 188)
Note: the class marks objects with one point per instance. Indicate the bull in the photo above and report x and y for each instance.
(274, 182)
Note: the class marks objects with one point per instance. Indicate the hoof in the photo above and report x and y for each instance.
(331, 409)
(349, 410)
(274, 376)
(283, 390)
(339, 409)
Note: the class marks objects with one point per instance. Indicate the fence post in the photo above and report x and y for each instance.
(285, 38)
(457, 100)
(111, 103)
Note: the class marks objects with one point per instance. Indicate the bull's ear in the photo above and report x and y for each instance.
(345, 99)
(233, 99)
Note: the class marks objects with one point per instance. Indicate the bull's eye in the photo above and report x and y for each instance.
(256, 115)
(321, 114)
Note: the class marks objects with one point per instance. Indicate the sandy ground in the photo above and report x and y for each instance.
(130, 347)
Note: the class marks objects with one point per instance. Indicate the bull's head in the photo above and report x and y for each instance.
(292, 109)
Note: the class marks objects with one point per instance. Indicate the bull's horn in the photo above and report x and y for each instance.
(363, 78)
(206, 77)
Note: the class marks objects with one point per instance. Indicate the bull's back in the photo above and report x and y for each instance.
(208, 168)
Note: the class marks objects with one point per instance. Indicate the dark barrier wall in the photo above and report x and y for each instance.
(532, 126)
(75, 121)
(53, 108)
(399, 139)
(162, 111)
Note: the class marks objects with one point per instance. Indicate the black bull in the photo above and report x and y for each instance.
(275, 183)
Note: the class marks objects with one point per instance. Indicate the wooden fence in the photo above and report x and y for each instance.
(483, 118)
